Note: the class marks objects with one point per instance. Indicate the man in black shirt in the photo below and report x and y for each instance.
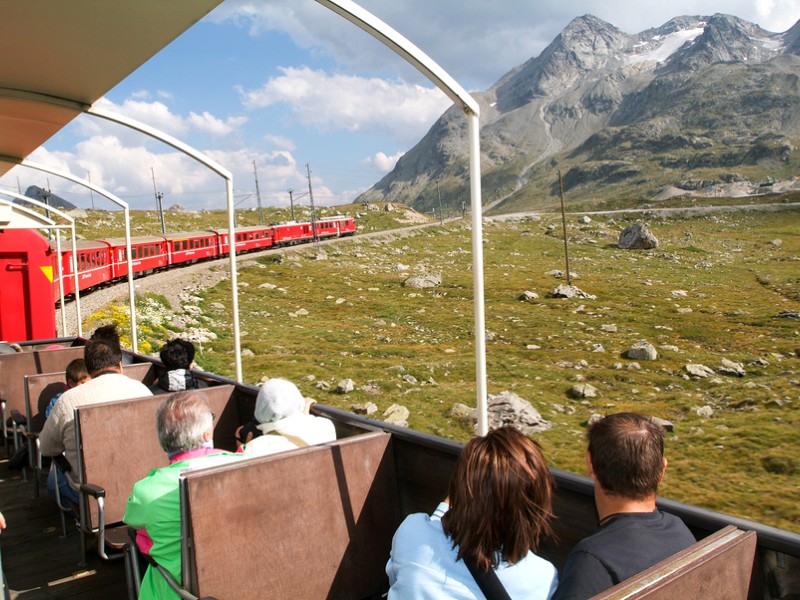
(626, 461)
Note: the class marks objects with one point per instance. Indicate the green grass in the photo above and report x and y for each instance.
(741, 461)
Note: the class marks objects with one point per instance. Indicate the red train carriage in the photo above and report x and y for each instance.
(190, 247)
(335, 226)
(291, 232)
(247, 238)
(94, 266)
(148, 253)
(26, 282)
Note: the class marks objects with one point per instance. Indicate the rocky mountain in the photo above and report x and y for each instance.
(693, 104)
(43, 195)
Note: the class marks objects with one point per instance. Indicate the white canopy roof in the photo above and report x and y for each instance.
(58, 57)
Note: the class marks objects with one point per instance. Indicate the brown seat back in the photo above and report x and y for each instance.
(718, 567)
(14, 367)
(310, 523)
(119, 444)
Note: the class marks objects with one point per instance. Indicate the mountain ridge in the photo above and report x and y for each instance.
(708, 98)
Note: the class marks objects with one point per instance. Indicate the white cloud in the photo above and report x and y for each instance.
(208, 123)
(383, 163)
(355, 104)
(280, 142)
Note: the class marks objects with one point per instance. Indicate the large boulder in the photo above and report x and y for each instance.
(637, 237)
(507, 408)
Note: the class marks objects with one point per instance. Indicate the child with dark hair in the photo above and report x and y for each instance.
(177, 356)
(75, 375)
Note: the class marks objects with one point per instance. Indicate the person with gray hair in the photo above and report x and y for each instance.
(185, 427)
(283, 421)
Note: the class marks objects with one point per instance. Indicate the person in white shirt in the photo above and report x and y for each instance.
(103, 357)
(283, 422)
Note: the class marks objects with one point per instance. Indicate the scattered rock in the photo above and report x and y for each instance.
(793, 315)
(582, 390)
(464, 413)
(345, 386)
(585, 220)
(410, 379)
(323, 385)
(569, 291)
(608, 328)
(396, 414)
(507, 408)
(642, 350)
(776, 242)
(527, 296)
(365, 408)
(426, 280)
(371, 388)
(308, 378)
(729, 367)
(706, 412)
(637, 237)
(696, 370)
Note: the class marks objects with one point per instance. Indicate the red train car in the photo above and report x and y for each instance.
(94, 266)
(335, 226)
(257, 237)
(27, 311)
(291, 232)
(191, 246)
(148, 253)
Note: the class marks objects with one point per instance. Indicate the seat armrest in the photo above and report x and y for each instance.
(95, 491)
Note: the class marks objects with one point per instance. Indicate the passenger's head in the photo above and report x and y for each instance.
(177, 354)
(500, 498)
(76, 373)
(184, 422)
(108, 333)
(102, 355)
(626, 454)
(278, 399)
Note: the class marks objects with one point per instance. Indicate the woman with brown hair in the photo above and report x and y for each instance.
(497, 511)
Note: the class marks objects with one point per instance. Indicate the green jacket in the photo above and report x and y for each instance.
(154, 505)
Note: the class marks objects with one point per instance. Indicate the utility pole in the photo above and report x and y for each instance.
(159, 197)
(91, 193)
(441, 216)
(564, 224)
(313, 210)
(291, 202)
(258, 195)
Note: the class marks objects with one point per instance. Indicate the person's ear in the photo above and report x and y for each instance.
(208, 434)
(589, 468)
(663, 470)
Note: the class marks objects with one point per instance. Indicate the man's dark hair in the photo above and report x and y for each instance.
(627, 453)
(108, 333)
(101, 355)
(177, 354)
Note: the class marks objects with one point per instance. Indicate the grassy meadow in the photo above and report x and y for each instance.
(712, 289)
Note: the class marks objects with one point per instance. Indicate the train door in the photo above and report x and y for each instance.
(27, 311)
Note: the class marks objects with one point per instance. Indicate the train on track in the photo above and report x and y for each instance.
(32, 266)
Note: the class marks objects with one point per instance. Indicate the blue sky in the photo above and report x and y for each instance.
(287, 83)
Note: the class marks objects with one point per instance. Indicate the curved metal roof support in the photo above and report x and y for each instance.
(52, 225)
(425, 65)
(225, 174)
(117, 201)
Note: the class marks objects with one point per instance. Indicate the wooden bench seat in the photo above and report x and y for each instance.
(14, 368)
(311, 523)
(718, 567)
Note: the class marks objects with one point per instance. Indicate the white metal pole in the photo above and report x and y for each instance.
(75, 276)
(134, 341)
(61, 284)
(477, 272)
(237, 343)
